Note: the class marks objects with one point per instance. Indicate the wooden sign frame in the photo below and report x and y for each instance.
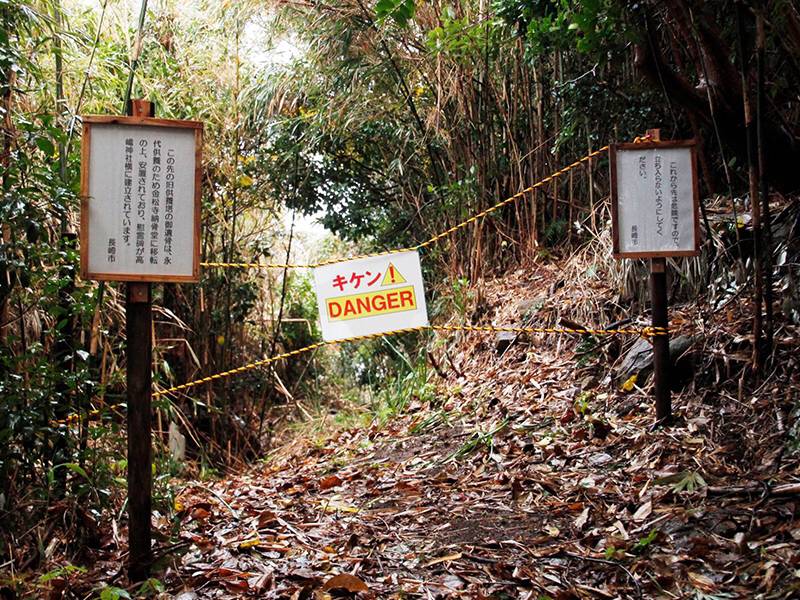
(651, 145)
(88, 122)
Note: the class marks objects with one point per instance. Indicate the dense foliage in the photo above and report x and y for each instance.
(61, 339)
(414, 115)
(388, 122)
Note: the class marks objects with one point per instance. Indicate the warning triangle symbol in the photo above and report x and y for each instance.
(392, 276)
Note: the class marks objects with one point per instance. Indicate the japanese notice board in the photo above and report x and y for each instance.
(654, 199)
(371, 295)
(140, 199)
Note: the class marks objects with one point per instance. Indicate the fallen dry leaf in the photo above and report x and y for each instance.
(266, 517)
(441, 559)
(702, 582)
(643, 511)
(200, 514)
(252, 543)
(331, 481)
(345, 581)
(580, 521)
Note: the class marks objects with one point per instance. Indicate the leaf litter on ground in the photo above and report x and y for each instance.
(528, 477)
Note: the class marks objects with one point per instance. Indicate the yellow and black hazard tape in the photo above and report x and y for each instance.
(646, 332)
(510, 199)
(75, 417)
(242, 369)
(333, 261)
(426, 243)
(643, 332)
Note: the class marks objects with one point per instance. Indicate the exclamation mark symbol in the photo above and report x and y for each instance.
(392, 276)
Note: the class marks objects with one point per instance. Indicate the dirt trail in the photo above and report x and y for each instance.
(529, 477)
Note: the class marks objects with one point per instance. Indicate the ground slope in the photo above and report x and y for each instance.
(532, 475)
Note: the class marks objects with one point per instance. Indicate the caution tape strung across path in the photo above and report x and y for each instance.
(643, 332)
(646, 332)
(426, 243)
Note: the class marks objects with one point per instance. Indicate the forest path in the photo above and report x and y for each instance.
(505, 490)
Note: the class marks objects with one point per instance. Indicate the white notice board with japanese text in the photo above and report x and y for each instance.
(654, 199)
(140, 199)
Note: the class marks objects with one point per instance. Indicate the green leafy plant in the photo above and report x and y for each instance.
(685, 481)
(59, 572)
(114, 593)
(476, 441)
(411, 382)
(401, 11)
(690, 482)
(432, 421)
(151, 587)
(582, 403)
(614, 553)
(643, 543)
(461, 296)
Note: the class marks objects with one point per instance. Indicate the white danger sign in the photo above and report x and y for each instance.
(140, 199)
(654, 199)
(370, 295)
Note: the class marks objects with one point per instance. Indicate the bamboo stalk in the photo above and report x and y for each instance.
(758, 287)
(762, 174)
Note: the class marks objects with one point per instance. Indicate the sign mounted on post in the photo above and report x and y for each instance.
(654, 199)
(140, 199)
(371, 295)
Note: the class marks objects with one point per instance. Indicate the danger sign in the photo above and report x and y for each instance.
(370, 295)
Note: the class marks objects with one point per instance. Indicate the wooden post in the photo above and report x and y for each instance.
(660, 321)
(661, 359)
(650, 179)
(138, 329)
(181, 142)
